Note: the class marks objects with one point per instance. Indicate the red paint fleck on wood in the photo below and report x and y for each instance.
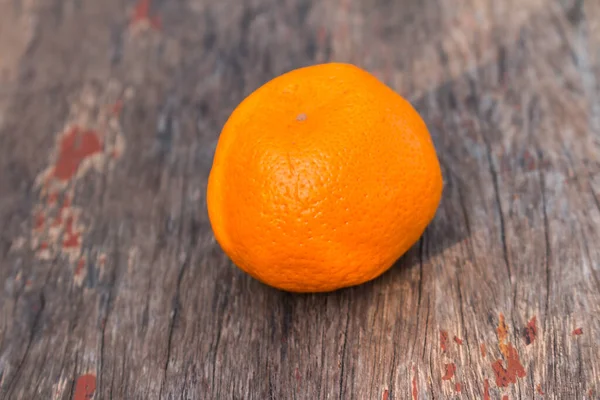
(505, 397)
(75, 146)
(538, 388)
(298, 377)
(44, 245)
(80, 266)
(530, 331)
(85, 387)
(450, 370)
(72, 239)
(577, 332)
(514, 369)
(486, 389)
(457, 387)
(386, 395)
(502, 331)
(443, 340)
(483, 350)
(458, 340)
(141, 14)
(415, 387)
(590, 393)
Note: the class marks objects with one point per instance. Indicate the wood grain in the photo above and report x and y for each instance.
(114, 287)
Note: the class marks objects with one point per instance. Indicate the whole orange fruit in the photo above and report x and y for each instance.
(322, 178)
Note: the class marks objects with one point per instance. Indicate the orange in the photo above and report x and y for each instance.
(322, 178)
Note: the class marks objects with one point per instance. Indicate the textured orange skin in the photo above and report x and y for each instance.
(322, 178)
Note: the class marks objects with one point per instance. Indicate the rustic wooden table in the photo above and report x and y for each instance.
(112, 286)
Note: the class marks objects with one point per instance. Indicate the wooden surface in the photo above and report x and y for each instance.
(112, 286)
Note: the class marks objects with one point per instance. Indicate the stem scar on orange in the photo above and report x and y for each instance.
(322, 178)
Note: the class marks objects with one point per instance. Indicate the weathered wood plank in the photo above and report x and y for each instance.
(112, 283)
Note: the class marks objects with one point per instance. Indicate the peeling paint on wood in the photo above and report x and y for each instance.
(486, 389)
(450, 369)
(538, 389)
(530, 331)
(513, 370)
(85, 387)
(415, 385)
(502, 332)
(76, 146)
(91, 134)
(444, 340)
(143, 18)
